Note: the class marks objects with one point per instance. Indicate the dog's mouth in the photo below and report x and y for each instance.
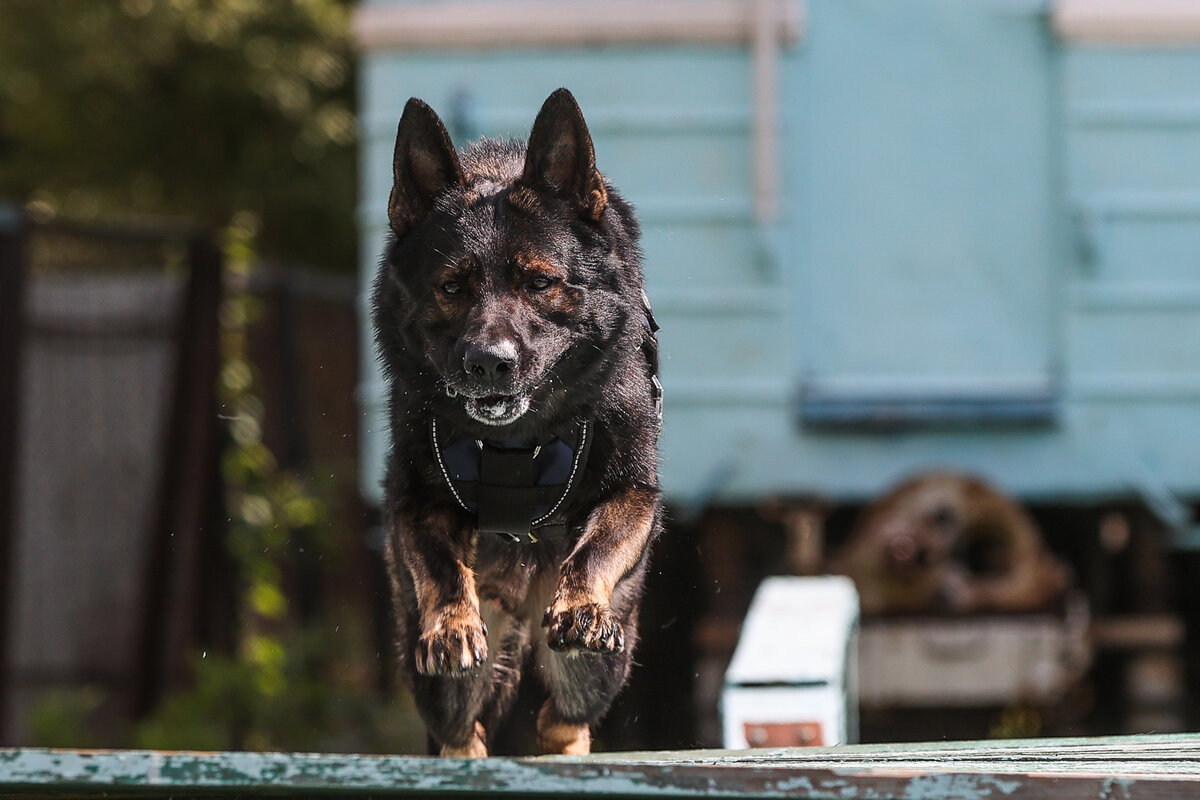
(493, 409)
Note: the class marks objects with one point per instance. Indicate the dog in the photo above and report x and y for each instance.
(521, 489)
(950, 543)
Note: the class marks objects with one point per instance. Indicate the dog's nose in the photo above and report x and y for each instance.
(493, 362)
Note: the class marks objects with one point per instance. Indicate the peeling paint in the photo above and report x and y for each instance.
(1118, 789)
(799, 784)
(1163, 768)
(954, 787)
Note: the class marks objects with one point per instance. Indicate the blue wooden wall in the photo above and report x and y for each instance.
(988, 238)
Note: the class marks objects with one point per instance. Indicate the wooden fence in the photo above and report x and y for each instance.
(107, 457)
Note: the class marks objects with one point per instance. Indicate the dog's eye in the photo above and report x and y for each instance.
(451, 287)
(541, 283)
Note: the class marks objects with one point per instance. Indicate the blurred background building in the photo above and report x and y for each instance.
(955, 239)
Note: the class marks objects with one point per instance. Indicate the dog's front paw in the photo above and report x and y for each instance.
(454, 647)
(589, 626)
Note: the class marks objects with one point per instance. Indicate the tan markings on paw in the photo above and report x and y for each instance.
(557, 736)
(455, 644)
(474, 748)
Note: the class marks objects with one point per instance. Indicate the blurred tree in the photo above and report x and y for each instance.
(198, 108)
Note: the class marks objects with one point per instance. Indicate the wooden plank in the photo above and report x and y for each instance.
(1135, 768)
(1139, 632)
(1120, 22)
(548, 23)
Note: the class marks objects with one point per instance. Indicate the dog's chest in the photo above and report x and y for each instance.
(519, 577)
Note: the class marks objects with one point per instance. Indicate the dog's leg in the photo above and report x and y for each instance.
(583, 683)
(443, 639)
(459, 709)
(439, 557)
(612, 544)
(592, 619)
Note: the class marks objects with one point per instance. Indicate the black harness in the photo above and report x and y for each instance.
(515, 489)
(519, 489)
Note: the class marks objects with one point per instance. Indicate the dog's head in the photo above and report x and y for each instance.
(512, 262)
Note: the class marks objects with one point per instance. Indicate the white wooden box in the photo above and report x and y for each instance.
(792, 678)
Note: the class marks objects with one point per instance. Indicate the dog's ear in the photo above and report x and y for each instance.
(424, 165)
(561, 155)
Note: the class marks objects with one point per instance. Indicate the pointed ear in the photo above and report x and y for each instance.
(561, 155)
(425, 164)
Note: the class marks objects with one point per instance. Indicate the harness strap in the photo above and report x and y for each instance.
(506, 491)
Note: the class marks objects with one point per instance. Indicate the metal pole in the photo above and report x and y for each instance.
(13, 231)
(170, 610)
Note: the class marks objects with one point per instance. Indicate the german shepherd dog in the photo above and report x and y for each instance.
(522, 483)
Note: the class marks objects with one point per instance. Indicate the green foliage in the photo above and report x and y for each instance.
(200, 108)
(304, 705)
(66, 718)
(266, 504)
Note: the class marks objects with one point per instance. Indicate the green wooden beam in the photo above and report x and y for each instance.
(1128, 768)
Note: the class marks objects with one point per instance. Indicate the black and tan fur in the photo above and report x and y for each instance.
(512, 280)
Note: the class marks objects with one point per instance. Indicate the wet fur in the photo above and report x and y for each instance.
(477, 613)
